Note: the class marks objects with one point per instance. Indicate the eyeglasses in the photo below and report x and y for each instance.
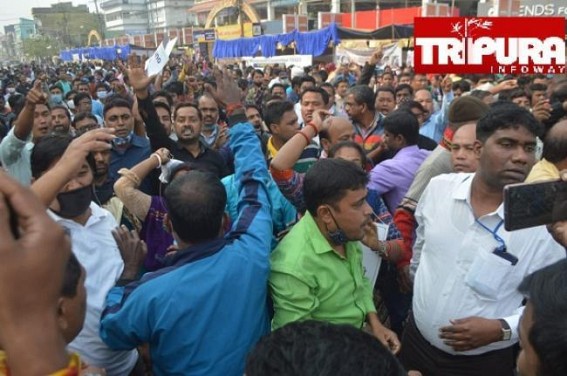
(87, 127)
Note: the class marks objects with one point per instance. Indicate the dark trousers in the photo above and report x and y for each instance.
(397, 303)
(418, 354)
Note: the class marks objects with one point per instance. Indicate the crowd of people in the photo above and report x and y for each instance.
(211, 220)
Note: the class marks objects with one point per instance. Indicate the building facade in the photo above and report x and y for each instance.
(14, 36)
(67, 23)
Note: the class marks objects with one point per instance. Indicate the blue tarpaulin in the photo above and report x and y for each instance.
(102, 53)
(308, 43)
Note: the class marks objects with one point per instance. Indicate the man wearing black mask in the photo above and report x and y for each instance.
(64, 181)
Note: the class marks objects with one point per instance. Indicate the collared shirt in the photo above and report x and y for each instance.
(308, 156)
(138, 151)
(457, 274)
(207, 160)
(309, 280)
(542, 171)
(369, 138)
(435, 125)
(392, 177)
(98, 253)
(15, 155)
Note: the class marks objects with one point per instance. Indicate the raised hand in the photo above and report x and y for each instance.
(132, 249)
(376, 56)
(139, 79)
(227, 89)
(36, 94)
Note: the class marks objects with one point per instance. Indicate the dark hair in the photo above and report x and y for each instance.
(159, 104)
(363, 95)
(242, 83)
(257, 71)
(317, 90)
(175, 87)
(328, 181)
(71, 277)
(559, 93)
(48, 150)
(82, 116)
(277, 85)
(327, 84)
(546, 290)
(386, 89)
(555, 145)
(79, 97)
(504, 115)
(70, 93)
(402, 122)
(275, 111)
(296, 81)
(115, 103)
(65, 110)
(401, 87)
(537, 87)
(352, 145)
(480, 94)
(410, 105)
(338, 81)
(165, 94)
(511, 94)
(320, 348)
(463, 85)
(196, 202)
(187, 104)
(307, 79)
(251, 105)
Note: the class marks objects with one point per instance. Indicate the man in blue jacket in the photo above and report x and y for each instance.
(204, 311)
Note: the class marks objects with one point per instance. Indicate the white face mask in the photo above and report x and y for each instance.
(11, 90)
(71, 104)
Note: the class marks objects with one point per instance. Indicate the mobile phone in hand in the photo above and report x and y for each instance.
(534, 204)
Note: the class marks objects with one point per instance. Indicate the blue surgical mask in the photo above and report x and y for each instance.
(101, 94)
(121, 141)
(57, 98)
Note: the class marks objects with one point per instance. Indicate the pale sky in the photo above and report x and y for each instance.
(22, 8)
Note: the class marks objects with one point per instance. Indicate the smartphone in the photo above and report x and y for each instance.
(534, 204)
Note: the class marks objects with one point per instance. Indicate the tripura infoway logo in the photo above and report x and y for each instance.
(505, 45)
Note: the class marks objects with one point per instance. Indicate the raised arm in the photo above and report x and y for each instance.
(127, 186)
(253, 226)
(12, 145)
(140, 83)
(50, 184)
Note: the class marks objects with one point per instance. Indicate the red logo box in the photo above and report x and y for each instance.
(496, 45)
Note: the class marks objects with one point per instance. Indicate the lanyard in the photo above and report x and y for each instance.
(494, 232)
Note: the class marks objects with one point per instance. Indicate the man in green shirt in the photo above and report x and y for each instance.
(317, 271)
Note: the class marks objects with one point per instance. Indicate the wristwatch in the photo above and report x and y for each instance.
(506, 331)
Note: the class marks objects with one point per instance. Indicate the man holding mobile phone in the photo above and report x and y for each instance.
(466, 266)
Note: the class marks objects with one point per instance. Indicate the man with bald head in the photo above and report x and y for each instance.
(554, 155)
(435, 122)
(335, 129)
(463, 156)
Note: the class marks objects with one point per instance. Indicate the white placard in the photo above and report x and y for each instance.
(287, 60)
(160, 57)
(370, 260)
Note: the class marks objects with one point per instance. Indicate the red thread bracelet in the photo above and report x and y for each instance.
(314, 127)
(306, 137)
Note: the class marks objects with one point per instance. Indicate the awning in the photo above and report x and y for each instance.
(386, 32)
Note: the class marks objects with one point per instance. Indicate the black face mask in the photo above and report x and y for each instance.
(338, 237)
(74, 203)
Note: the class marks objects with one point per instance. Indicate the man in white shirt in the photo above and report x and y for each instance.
(64, 182)
(467, 268)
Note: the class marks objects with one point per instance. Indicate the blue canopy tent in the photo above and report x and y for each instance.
(308, 43)
(102, 53)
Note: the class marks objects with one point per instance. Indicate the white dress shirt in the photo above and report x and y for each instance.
(456, 273)
(96, 250)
